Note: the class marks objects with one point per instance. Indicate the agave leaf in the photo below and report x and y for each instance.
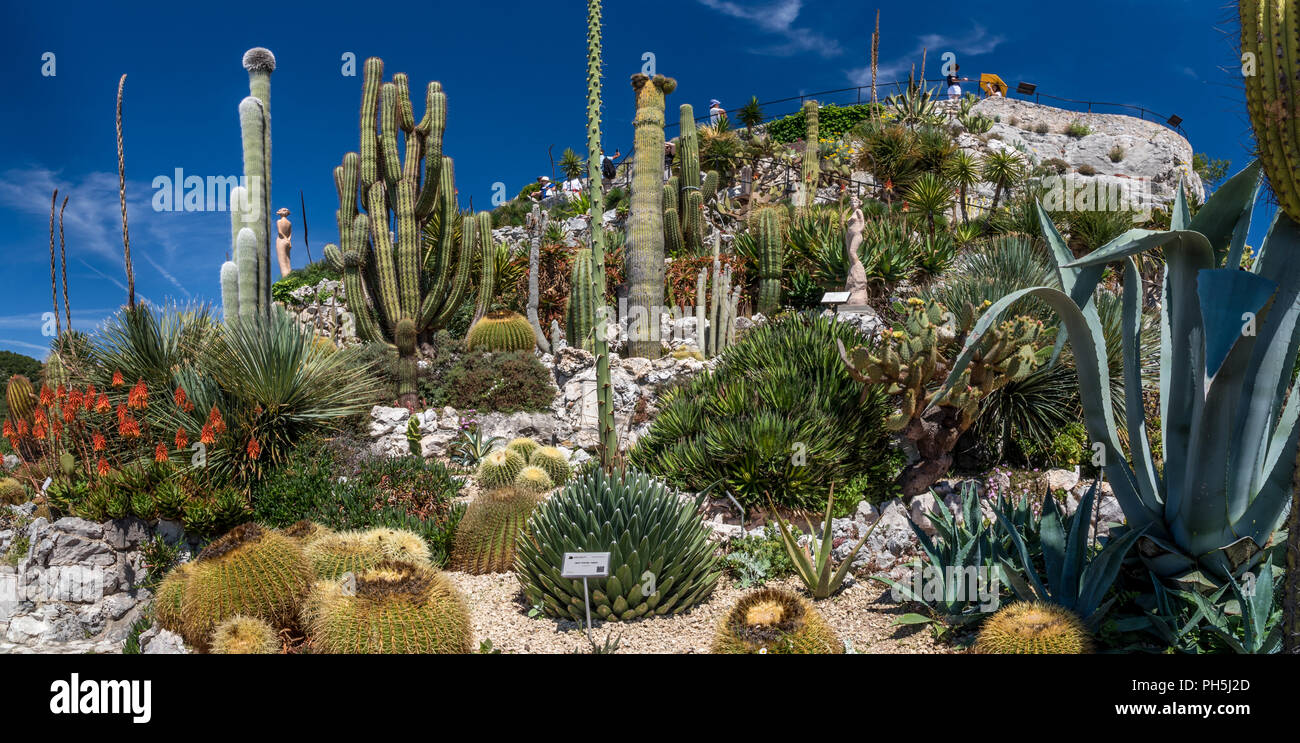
(1225, 217)
(1076, 547)
(1051, 534)
(1025, 562)
(1144, 466)
(1101, 572)
(1226, 296)
(910, 619)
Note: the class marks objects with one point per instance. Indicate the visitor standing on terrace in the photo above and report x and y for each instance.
(954, 83)
(716, 111)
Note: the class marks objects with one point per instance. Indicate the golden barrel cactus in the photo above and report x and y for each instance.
(486, 536)
(775, 621)
(240, 635)
(1033, 628)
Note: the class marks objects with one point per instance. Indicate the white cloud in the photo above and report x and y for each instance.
(978, 41)
(778, 18)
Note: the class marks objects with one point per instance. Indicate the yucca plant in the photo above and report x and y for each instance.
(571, 164)
(1229, 444)
(1003, 169)
(814, 563)
(963, 170)
(930, 195)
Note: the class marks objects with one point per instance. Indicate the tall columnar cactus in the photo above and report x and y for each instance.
(1271, 38)
(913, 360)
(488, 272)
(646, 223)
(811, 154)
(767, 226)
(396, 294)
(685, 194)
(596, 195)
(246, 277)
(581, 311)
(715, 316)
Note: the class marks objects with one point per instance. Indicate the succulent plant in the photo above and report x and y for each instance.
(501, 330)
(487, 273)
(489, 530)
(524, 447)
(1270, 50)
(645, 240)
(775, 621)
(394, 608)
(685, 194)
(21, 398)
(1029, 628)
(811, 173)
(398, 544)
(661, 561)
(553, 461)
(12, 492)
(499, 468)
(306, 531)
(249, 571)
(169, 599)
(246, 278)
(767, 226)
(414, 439)
(533, 479)
(240, 635)
(715, 316)
(170, 500)
(580, 314)
(606, 435)
(334, 554)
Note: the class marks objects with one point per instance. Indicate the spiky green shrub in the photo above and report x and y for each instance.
(488, 533)
(240, 635)
(334, 554)
(395, 608)
(248, 571)
(499, 468)
(780, 417)
(501, 331)
(524, 448)
(503, 382)
(12, 492)
(661, 561)
(1031, 628)
(775, 621)
(534, 480)
(553, 462)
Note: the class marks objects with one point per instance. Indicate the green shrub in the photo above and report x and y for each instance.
(765, 550)
(309, 275)
(1116, 154)
(1077, 129)
(497, 382)
(832, 122)
(1042, 128)
(778, 418)
(1067, 449)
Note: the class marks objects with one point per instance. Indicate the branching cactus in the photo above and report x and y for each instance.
(246, 277)
(646, 223)
(715, 316)
(685, 193)
(767, 225)
(396, 293)
(912, 362)
(811, 154)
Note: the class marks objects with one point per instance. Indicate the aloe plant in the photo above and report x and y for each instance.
(1228, 440)
(814, 568)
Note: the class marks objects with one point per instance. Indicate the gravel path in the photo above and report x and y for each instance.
(860, 614)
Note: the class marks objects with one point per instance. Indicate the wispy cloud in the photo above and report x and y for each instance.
(26, 345)
(778, 18)
(977, 41)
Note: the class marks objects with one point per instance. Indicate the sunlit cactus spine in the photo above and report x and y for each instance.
(811, 153)
(553, 461)
(169, 598)
(487, 533)
(501, 330)
(1270, 36)
(306, 532)
(398, 544)
(524, 447)
(487, 273)
(645, 241)
(333, 555)
(691, 192)
(392, 295)
(581, 311)
(777, 622)
(242, 635)
(768, 229)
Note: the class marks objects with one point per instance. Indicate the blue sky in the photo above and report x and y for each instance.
(514, 73)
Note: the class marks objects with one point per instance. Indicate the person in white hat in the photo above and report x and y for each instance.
(716, 111)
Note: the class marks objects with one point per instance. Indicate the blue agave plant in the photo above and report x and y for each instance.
(1229, 341)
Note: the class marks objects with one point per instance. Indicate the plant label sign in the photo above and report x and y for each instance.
(585, 565)
(835, 297)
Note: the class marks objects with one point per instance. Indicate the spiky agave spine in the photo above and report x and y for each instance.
(249, 571)
(499, 468)
(811, 154)
(344, 552)
(646, 221)
(1270, 34)
(393, 298)
(487, 533)
(20, 396)
(581, 311)
(596, 194)
(394, 608)
(524, 447)
(533, 479)
(1033, 628)
(246, 277)
(501, 330)
(775, 621)
(240, 635)
(553, 461)
(768, 235)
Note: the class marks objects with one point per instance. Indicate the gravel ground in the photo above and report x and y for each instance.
(860, 614)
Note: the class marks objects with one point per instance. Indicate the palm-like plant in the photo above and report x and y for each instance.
(750, 115)
(570, 164)
(1003, 169)
(963, 170)
(889, 152)
(931, 196)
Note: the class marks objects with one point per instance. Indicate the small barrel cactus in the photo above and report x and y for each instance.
(395, 608)
(534, 480)
(486, 536)
(333, 555)
(524, 448)
(21, 398)
(306, 531)
(12, 492)
(1033, 628)
(772, 620)
(501, 331)
(169, 599)
(554, 462)
(499, 468)
(398, 544)
(240, 635)
(249, 571)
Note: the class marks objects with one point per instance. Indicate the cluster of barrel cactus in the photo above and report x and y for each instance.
(499, 468)
(913, 360)
(775, 621)
(490, 529)
(242, 635)
(1033, 628)
(501, 330)
(246, 277)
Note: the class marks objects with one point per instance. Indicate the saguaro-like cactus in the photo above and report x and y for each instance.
(685, 194)
(766, 225)
(393, 290)
(646, 224)
(246, 277)
(811, 154)
(596, 194)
